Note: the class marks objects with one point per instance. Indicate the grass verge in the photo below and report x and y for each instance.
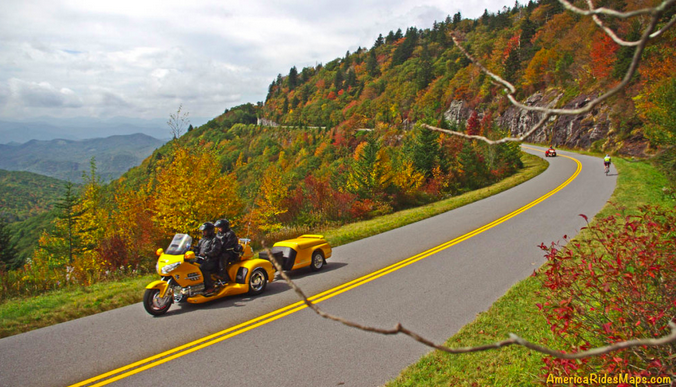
(22, 315)
(638, 184)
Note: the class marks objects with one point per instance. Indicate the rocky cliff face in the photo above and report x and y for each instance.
(588, 131)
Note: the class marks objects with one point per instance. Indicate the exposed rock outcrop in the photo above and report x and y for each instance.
(592, 130)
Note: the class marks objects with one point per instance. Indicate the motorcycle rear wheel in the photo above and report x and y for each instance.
(154, 304)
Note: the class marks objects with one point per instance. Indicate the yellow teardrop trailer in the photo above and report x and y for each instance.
(306, 250)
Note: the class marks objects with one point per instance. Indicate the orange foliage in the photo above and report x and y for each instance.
(540, 68)
(602, 55)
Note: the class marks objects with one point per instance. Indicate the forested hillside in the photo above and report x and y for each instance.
(25, 194)
(545, 52)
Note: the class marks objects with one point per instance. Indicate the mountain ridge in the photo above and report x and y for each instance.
(67, 159)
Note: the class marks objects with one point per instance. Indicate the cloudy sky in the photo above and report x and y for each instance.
(143, 58)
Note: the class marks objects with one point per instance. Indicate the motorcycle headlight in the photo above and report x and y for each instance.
(169, 268)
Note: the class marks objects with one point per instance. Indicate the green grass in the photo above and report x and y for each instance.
(639, 184)
(22, 315)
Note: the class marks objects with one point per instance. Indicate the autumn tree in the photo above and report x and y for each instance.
(191, 190)
(269, 203)
(132, 225)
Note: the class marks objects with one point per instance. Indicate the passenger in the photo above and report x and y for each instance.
(209, 249)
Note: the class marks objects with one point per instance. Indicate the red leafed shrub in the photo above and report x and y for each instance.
(113, 253)
(619, 284)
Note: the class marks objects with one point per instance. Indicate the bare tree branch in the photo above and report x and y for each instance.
(648, 34)
(615, 13)
(514, 339)
(178, 122)
(614, 36)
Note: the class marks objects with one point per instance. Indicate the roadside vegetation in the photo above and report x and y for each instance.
(525, 311)
(22, 314)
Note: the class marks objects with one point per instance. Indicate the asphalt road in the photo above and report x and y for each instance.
(438, 283)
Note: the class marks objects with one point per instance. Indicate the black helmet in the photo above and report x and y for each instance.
(222, 223)
(207, 226)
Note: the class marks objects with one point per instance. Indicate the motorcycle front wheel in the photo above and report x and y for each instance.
(155, 304)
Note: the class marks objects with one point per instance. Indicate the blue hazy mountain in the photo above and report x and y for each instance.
(66, 159)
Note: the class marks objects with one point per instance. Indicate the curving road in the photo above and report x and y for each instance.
(439, 274)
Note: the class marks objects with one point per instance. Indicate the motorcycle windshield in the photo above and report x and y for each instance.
(179, 245)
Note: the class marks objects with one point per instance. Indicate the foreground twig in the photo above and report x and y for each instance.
(514, 339)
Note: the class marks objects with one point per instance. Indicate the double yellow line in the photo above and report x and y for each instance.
(164, 357)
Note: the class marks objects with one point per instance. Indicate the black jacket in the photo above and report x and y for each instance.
(209, 247)
(228, 240)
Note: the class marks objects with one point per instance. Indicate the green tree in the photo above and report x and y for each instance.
(370, 174)
(338, 79)
(425, 151)
(424, 70)
(379, 42)
(9, 257)
(293, 78)
(372, 64)
(405, 49)
(65, 240)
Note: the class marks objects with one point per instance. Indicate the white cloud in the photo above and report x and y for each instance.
(143, 58)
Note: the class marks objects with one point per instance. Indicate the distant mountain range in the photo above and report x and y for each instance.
(81, 128)
(66, 159)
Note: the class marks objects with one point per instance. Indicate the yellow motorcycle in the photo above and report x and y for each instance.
(182, 279)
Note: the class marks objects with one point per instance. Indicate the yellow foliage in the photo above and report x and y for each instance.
(191, 190)
(270, 201)
(408, 179)
(320, 149)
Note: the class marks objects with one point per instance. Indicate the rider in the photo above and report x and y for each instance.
(209, 248)
(606, 162)
(229, 243)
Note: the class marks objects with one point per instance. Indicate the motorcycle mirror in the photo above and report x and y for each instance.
(159, 251)
(190, 255)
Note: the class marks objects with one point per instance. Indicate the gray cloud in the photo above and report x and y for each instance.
(42, 95)
(144, 58)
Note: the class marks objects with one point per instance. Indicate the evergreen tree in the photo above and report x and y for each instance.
(379, 42)
(457, 18)
(351, 79)
(338, 79)
(68, 216)
(372, 64)
(390, 38)
(9, 257)
(293, 78)
(425, 151)
(424, 71)
(370, 175)
(626, 54)
(512, 65)
(405, 49)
